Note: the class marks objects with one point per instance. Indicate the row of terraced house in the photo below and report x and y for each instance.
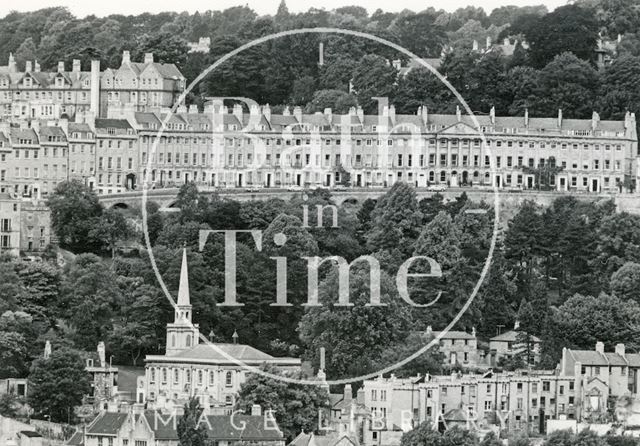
(106, 128)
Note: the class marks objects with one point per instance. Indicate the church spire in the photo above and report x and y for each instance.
(183, 290)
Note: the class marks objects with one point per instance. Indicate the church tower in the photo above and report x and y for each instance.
(182, 334)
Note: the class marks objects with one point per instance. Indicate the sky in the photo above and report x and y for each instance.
(100, 8)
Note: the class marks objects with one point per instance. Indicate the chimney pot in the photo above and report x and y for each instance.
(600, 347)
(27, 66)
(61, 67)
(620, 349)
(76, 66)
(148, 57)
(126, 57)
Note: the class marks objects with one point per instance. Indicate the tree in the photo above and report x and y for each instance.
(567, 28)
(619, 88)
(421, 435)
(336, 74)
(26, 52)
(373, 77)
(17, 339)
(355, 338)
(396, 219)
(567, 83)
(457, 436)
(625, 282)
(57, 385)
(87, 299)
(74, 208)
(420, 34)
(429, 362)
(191, 432)
(9, 403)
(165, 46)
(295, 407)
(524, 337)
(139, 315)
(110, 228)
(420, 87)
(584, 320)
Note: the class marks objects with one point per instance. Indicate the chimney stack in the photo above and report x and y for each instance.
(148, 57)
(126, 57)
(600, 347)
(12, 66)
(348, 393)
(559, 118)
(27, 67)
(392, 113)
(526, 117)
(620, 349)
(36, 66)
(61, 67)
(76, 66)
(193, 109)
(458, 113)
(492, 115)
(297, 113)
(595, 119)
(101, 354)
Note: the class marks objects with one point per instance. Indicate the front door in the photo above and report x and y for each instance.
(594, 185)
(529, 182)
(268, 180)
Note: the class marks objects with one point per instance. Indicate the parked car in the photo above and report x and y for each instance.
(254, 188)
(437, 188)
(294, 188)
(339, 187)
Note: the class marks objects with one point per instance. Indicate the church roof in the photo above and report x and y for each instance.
(220, 353)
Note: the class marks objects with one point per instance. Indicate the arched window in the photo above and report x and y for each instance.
(211, 378)
(228, 379)
(176, 376)
(199, 376)
(188, 375)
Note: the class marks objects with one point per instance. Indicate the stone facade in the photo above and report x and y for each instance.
(581, 389)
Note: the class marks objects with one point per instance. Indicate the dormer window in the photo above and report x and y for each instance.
(27, 82)
(59, 82)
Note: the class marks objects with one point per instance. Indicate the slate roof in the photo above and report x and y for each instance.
(615, 359)
(103, 123)
(454, 335)
(108, 423)
(510, 336)
(238, 351)
(588, 357)
(221, 427)
(77, 439)
(79, 127)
